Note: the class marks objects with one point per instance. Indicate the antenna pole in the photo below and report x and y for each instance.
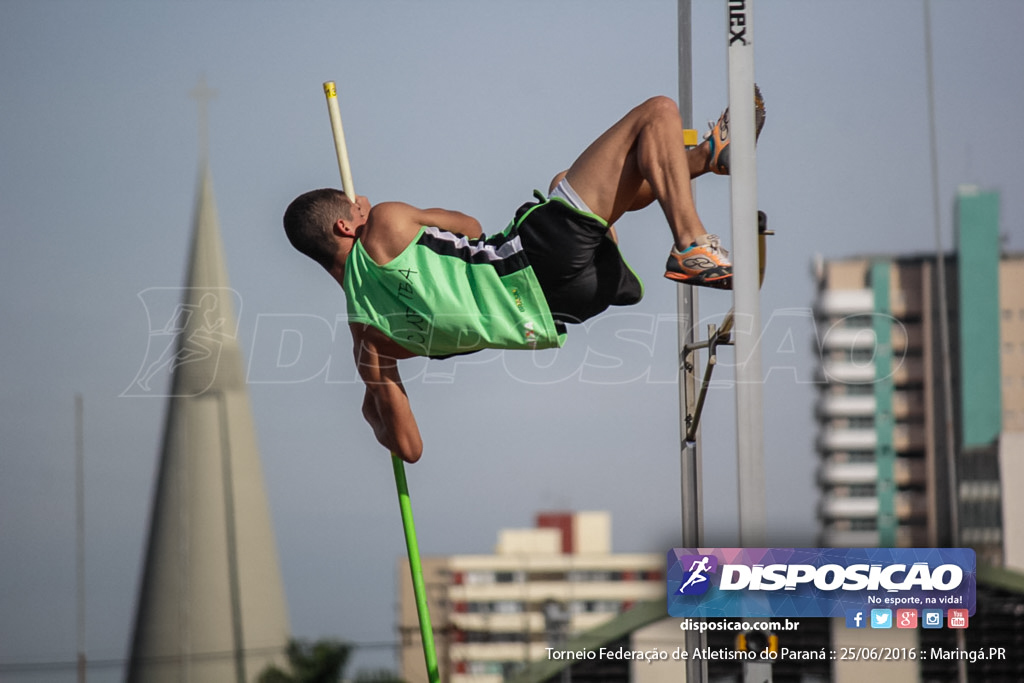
(80, 534)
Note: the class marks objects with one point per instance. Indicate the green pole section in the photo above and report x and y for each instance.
(885, 452)
(416, 569)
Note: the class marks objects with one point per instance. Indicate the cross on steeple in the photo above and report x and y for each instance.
(203, 94)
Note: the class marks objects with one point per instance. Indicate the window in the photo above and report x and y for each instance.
(862, 490)
(478, 577)
(581, 575)
(860, 320)
(507, 607)
(483, 668)
(593, 606)
(862, 356)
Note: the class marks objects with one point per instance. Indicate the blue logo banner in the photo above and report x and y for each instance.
(818, 582)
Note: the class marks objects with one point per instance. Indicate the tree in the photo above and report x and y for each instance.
(322, 661)
(319, 662)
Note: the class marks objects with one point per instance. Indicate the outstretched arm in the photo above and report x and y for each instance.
(393, 225)
(386, 405)
(452, 221)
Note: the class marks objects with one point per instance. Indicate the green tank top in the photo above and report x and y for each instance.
(446, 294)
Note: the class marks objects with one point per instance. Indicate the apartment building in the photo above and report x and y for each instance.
(921, 420)
(493, 614)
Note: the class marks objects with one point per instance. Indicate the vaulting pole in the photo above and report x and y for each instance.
(339, 140)
(418, 586)
(404, 504)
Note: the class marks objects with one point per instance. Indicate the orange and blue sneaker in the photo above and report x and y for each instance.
(718, 137)
(702, 264)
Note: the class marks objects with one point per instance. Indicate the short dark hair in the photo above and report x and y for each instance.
(309, 223)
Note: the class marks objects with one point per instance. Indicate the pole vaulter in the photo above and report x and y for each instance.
(411, 544)
(430, 283)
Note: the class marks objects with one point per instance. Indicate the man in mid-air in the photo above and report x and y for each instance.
(427, 282)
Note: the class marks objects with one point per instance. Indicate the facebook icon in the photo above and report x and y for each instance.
(855, 618)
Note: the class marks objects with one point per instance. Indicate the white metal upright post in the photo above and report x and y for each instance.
(687, 311)
(746, 281)
(746, 291)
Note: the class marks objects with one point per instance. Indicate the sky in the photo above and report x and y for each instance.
(461, 105)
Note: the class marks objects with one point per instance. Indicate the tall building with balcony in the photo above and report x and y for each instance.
(901, 465)
(878, 437)
(493, 614)
(921, 429)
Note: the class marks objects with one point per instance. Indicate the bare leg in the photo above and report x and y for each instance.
(696, 157)
(639, 159)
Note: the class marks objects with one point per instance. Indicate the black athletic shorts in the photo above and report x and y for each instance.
(578, 265)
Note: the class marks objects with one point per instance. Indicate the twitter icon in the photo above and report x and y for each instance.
(881, 618)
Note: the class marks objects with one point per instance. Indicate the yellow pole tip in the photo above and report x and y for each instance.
(329, 89)
(690, 137)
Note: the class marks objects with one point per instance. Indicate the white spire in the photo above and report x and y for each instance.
(211, 605)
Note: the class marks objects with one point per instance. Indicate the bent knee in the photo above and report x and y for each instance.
(661, 106)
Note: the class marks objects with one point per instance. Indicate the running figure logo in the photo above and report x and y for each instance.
(187, 325)
(696, 580)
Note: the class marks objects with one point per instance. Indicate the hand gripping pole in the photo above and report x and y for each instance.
(412, 547)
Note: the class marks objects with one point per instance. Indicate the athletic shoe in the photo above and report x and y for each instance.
(702, 264)
(718, 136)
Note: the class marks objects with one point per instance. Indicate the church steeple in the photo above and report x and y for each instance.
(211, 605)
(203, 95)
